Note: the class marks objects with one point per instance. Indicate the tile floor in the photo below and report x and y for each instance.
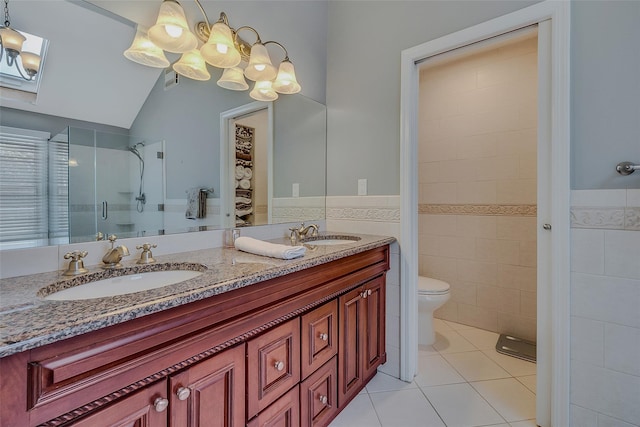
(462, 382)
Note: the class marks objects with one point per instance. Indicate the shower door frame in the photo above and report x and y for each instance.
(553, 18)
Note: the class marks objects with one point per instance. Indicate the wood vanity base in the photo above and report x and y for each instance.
(289, 351)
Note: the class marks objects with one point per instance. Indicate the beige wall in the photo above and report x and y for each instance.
(477, 172)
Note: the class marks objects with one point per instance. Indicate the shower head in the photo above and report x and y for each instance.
(135, 151)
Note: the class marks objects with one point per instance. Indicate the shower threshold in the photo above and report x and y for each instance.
(516, 347)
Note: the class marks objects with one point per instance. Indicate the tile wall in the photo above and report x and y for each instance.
(605, 308)
(477, 175)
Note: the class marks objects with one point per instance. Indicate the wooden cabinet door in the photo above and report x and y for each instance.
(319, 396)
(284, 412)
(144, 408)
(349, 352)
(319, 337)
(273, 365)
(210, 393)
(374, 337)
(362, 337)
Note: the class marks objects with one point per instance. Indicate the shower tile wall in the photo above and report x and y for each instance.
(477, 175)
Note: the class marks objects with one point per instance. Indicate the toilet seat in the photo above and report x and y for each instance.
(429, 286)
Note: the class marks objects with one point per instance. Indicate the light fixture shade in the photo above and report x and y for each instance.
(192, 65)
(260, 67)
(219, 50)
(30, 63)
(143, 51)
(11, 39)
(171, 31)
(286, 82)
(233, 79)
(262, 91)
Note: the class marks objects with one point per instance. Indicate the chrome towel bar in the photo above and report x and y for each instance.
(627, 168)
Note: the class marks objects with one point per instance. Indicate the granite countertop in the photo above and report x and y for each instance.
(28, 321)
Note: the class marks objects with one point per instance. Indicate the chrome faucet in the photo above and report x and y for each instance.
(298, 233)
(113, 257)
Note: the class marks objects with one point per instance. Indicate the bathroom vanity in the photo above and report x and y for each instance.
(252, 341)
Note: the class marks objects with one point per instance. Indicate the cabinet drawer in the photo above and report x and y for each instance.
(319, 396)
(319, 337)
(273, 365)
(284, 412)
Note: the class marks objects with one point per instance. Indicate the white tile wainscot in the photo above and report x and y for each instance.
(605, 314)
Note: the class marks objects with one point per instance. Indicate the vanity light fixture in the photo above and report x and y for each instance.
(11, 42)
(222, 48)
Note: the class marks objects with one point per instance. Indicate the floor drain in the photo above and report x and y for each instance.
(516, 347)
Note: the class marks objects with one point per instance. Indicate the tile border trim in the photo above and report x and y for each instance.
(609, 218)
(485, 209)
(385, 214)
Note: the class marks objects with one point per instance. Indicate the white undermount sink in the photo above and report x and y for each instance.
(125, 284)
(330, 240)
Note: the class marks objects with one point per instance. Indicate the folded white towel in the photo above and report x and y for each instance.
(245, 184)
(248, 173)
(273, 250)
(239, 173)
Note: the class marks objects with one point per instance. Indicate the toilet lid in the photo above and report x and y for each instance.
(427, 285)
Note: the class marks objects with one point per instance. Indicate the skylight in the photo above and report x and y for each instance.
(9, 76)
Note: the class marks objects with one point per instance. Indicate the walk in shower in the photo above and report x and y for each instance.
(115, 185)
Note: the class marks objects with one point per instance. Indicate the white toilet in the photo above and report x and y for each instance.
(432, 294)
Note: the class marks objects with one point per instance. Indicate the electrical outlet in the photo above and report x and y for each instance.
(362, 187)
(295, 190)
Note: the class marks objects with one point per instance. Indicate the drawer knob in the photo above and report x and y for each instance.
(160, 404)
(183, 393)
(323, 399)
(369, 292)
(363, 294)
(279, 365)
(324, 337)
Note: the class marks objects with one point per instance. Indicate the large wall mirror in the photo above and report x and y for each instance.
(146, 155)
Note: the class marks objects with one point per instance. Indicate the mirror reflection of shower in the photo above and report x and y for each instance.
(141, 198)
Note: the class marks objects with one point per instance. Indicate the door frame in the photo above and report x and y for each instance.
(554, 294)
(227, 210)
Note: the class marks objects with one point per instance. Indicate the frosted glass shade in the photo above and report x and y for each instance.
(192, 65)
(30, 63)
(262, 91)
(11, 39)
(233, 79)
(143, 51)
(286, 82)
(171, 31)
(260, 67)
(219, 50)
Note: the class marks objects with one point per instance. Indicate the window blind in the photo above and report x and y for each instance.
(58, 191)
(24, 218)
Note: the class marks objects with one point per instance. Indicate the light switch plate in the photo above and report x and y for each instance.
(362, 187)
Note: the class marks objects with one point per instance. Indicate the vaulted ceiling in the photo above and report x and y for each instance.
(85, 76)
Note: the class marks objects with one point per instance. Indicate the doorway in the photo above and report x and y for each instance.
(246, 135)
(553, 203)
